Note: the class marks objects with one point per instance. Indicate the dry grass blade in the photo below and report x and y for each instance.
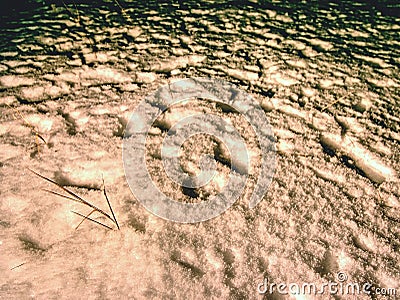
(18, 266)
(83, 220)
(127, 17)
(109, 205)
(60, 186)
(72, 13)
(119, 5)
(90, 219)
(77, 19)
(79, 199)
(61, 195)
(333, 103)
(18, 115)
(77, 13)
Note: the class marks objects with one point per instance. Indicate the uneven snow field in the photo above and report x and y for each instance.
(330, 94)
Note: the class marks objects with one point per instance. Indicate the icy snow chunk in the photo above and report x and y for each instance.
(41, 123)
(321, 45)
(267, 105)
(10, 81)
(284, 18)
(134, 32)
(320, 120)
(383, 83)
(88, 174)
(375, 61)
(173, 116)
(144, 77)
(42, 93)
(285, 147)
(326, 84)
(8, 100)
(186, 39)
(33, 94)
(242, 75)
(68, 77)
(284, 134)
(282, 79)
(366, 242)
(307, 92)
(95, 57)
(292, 112)
(297, 63)
(297, 45)
(104, 75)
(223, 154)
(391, 201)
(371, 166)
(309, 52)
(3, 68)
(363, 105)
(196, 59)
(177, 63)
(349, 124)
(329, 176)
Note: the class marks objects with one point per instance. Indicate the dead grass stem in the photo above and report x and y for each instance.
(18, 115)
(76, 198)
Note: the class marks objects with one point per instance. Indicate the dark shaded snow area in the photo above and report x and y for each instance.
(327, 78)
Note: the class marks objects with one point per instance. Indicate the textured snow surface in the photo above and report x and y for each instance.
(327, 78)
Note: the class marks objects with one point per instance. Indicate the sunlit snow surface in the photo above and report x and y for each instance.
(327, 78)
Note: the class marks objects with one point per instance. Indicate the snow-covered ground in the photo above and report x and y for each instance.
(327, 79)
